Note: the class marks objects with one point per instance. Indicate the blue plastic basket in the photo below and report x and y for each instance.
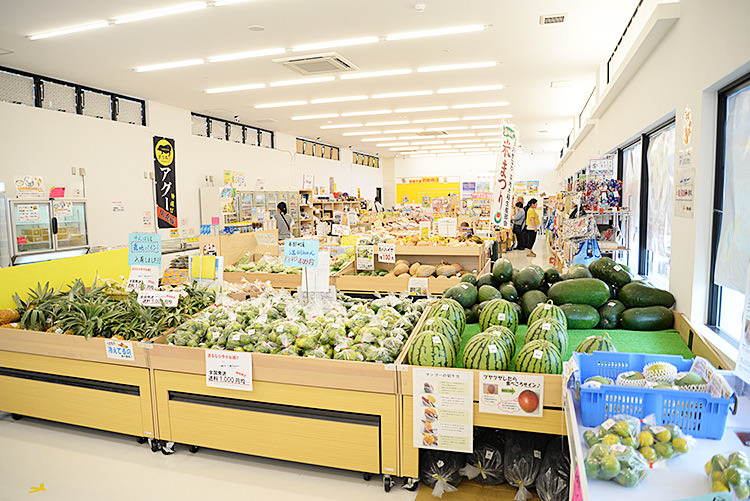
(696, 413)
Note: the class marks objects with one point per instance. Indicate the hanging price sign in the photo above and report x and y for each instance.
(387, 253)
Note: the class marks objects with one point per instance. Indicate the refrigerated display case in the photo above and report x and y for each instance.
(4, 230)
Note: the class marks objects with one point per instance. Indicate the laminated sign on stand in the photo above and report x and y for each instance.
(166, 182)
(502, 193)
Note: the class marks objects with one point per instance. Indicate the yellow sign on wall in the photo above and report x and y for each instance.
(414, 191)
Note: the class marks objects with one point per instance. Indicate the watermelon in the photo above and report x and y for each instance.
(450, 309)
(464, 293)
(507, 335)
(472, 316)
(548, 310)
(596, 343)
(499, 312)
(486, 351)
(432, 349)
(444, 327)
(539, 356)
(550, 330)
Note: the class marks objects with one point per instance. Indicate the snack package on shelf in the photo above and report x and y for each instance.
(730, 473)
(617, 463)
(441, 470)
(553, 481)
(485, 464)
(523, 458)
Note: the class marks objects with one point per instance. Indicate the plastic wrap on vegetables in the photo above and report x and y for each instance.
(393, 345)
(662, 442)
(319, 352)
(360, 347)
(554, 475)
(404, 324)
(357, 321)
(349, 354)
(289, 351)
(266, 347)
(369, 334)
(730, 472)
(440, 470)
(306, 341)
(485, 464)
(523, 458)
(617, 462)
(331, 332)
(379, 354)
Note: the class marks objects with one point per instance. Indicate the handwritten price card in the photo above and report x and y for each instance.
(387, 253)
(229, 369)
(301, 252)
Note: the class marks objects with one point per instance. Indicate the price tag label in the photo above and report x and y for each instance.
(301, 252)
(229, 369)
(365, 257)
(618, 267)
(340, 230)
(119, 350)
(492, 348)
(436, 340)
(419, 287)
(387, 253)
(538, 354)
(143, 278)
(546, 326)
(157, 298)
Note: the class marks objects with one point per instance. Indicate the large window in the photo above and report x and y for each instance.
(731, 217)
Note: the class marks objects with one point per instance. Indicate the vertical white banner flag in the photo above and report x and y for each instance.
(502, 192)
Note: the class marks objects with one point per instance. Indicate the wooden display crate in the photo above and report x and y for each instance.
(69, 379)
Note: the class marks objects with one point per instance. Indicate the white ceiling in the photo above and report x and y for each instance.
(528, 57)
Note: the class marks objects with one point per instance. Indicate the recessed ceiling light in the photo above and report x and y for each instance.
(363, 133)
(70, 29)
(452, 127)
(301, 81)
(335, 43)
(337, 99)
(401, 131)
(487, 117)
(340, 126)
(365, 113)
(403, 94)
(393, 122)
(246, 55)
(436, 32)
(423, 108)
(173, 64)
(464, 141)
(379, 145)
(165, 11)
(235, 88)
(493, 126)
(313, 117)
(463, 66)
(280, 105)
(476, 88)
(480, 105)
(430, 120)
(373, 74)
(373, 139)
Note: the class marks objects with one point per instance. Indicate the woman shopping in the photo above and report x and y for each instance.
(519, 224)
(532, 225)
(283, 221)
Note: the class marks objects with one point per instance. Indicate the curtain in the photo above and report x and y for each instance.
(734, 238)
(631, 190)
(660, 204)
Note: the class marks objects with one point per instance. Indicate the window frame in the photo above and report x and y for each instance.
(248, 131)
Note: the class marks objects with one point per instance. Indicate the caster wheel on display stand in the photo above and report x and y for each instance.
(154, 444)
(387, 483)
(16, 417)
(367, 476)
(167, 448)
(411, 484)
(141, 440)
(193, 449)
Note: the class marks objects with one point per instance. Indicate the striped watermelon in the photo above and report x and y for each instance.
(550, 330)
(450, 309)
(444, 327)
(508, 337)
(596, 343)
(499, 312)
(539, 356)
(486, 351)
(432, 349)
(548, 310)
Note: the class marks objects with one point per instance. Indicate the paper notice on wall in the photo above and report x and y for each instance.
(684, 197)
(511, 394)
(27, 213)
(118, 206)
(29, 186)
(502, 193)
(63, 208)
(443, 409)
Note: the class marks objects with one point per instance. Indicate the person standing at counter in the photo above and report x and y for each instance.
(283, 221)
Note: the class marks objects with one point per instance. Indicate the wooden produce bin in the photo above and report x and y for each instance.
(331, 413)
(69, 379)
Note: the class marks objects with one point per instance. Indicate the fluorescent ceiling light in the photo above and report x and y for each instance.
(394, 122)
(476, 88)
(475, 153)
(463, 146)
(420, 143)
(164, 11)
(480, 105)
(234, 88)
(313, 117)
(448, 146)
(391, 144)
(365, 113)
(401, 131)
(70, 29)
(373, 139)
(340, 126)
(335, 43)
(451, 127)
(404, 148)
(403, 94)
(430, 120)
(421, 155)
(423, 108)
(463, 66)
(450, 154)
(373, 74)
(246, 55)
(488, 117)
(222, 3)
(453, 30)
(467, 134)
(173, 64)
(363, 133)
(464, 141)
(493, 126)
(475, 149)
(301, 81)
(489, 134)
(337, 99)
(280, 105)
(404, 138)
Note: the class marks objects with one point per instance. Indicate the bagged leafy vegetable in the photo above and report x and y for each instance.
(554, 475)
(441, 470)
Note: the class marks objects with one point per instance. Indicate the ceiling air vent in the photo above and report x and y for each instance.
(552, 19)
(316, 64)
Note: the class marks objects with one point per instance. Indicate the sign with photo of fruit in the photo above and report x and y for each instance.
(511, 394)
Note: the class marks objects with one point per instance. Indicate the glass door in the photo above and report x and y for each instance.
(32, 231)
(245, 205)
(71, 224)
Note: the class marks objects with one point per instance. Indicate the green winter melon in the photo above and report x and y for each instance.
(578, 271)
(469, 278)
(444, 327)
(487, 293)
(502, 270)
(508, 291)
(548, 310)
(596, 343)
(432, 349)
(450, 309)
(550, 330)
(539, 356)
(464, 293)
(609, 314)
(580, 316)
(486, 351)
(528, 278)
(530, 300)
(472, 316)
(499, 312)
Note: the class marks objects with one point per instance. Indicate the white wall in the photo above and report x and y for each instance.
(708, 47)
(35, 141)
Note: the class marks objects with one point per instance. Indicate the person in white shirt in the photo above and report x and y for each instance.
(283, 221)
(377, 206)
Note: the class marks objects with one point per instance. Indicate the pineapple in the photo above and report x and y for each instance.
(8, 316)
